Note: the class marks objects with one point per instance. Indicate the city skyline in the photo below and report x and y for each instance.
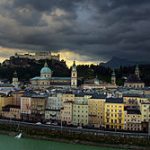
(76, 73)
(92, 31)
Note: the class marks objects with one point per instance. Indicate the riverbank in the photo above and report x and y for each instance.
(76, 141)
(76, 136)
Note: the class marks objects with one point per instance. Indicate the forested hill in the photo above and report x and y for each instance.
(27, 68)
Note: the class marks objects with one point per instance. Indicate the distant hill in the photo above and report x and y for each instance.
(28, 68)
(116, 62)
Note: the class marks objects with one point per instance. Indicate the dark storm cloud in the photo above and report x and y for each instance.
(96, 28)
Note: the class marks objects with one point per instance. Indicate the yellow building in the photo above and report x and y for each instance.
(11, 112)
(96, 106)
(114, 113)
(5, 100)
(66, 112)
(80, 111)
(133, 120)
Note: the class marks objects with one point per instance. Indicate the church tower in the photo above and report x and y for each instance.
(15, 81)
(74, 76)
(113, 78)
(137, 71)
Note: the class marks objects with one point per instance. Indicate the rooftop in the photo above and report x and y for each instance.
(98, 96)
(133, 79)
(114, 100)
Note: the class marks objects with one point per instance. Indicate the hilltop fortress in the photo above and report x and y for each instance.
(38, 55)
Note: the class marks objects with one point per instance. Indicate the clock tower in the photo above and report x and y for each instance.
(74, 76)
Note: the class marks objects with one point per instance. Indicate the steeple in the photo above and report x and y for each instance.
(15, 74)
(45, 65)
(113, 77)
(137, 71)
(74, 65)
(74, 76)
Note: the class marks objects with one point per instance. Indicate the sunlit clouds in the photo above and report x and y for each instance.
(66, 55)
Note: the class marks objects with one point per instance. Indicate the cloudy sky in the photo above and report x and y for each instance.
(86, 30)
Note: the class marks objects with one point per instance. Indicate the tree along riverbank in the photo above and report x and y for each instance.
(80, 138)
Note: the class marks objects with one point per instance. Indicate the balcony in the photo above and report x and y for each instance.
(92, 115)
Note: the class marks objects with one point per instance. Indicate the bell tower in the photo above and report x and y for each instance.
(113, 78)
(74, 76)
(15, 81)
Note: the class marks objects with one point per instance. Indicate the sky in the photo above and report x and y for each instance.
(89, 31)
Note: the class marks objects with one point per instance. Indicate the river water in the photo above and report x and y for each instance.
(11, 143)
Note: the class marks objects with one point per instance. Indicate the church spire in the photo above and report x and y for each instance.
(15, 74)
(113, 78)
(74, 65)
(137, 71)
(45, 65)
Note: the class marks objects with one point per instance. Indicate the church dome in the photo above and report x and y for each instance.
(46, 69)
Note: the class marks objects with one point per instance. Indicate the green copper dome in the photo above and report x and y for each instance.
(46, 69)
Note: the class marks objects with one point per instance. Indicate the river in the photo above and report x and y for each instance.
(11, 143)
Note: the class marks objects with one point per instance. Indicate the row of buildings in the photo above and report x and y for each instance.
(47, 80)
(93, 104)
(130, 112)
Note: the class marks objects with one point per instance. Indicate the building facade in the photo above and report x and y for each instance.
(114, 113)
(96, 106)
(133, 120)
(67, 113)
(80, 111)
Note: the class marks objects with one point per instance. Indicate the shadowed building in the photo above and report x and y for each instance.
(134, 81)
(96, 106)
